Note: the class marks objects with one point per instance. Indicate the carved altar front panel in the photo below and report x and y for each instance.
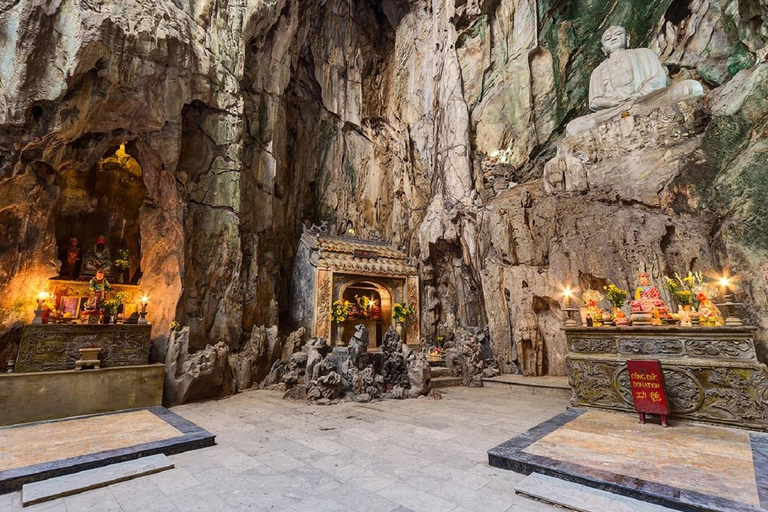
(711, 374)
(56, 347)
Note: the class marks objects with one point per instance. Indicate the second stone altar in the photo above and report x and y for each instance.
(712, 374)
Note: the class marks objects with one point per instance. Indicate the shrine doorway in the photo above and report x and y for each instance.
(378, 319)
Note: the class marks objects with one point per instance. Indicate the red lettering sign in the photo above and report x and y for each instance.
(649, 392)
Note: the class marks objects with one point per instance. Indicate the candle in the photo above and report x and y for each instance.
(724, 282)
(144, 301)
(567, 293)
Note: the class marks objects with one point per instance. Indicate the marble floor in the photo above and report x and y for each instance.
(713, 460)
(54, 441)
(274, 455)
(690, 465)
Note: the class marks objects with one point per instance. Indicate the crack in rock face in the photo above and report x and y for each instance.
(438, 125)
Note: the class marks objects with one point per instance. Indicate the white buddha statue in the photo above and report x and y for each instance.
(626, 78)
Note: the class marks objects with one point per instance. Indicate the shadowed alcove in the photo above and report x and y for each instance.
(103, 200)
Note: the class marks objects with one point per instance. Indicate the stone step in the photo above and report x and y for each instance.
(440, 371)
(446, 382)
(76, 483)
(580, 498)
(552, 386)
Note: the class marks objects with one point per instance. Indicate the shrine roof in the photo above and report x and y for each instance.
(358, 255)
(349, 245)
(351, 263)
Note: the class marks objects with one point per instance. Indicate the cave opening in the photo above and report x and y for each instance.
(103, 200)
(678, 11)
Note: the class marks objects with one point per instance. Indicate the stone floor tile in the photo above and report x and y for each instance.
(372, 481)
(279, 461)
(316, 504)
(254, 499)
(199, 499)
(98, 500)
(360, 500)
(48, 506)
(415, 499)
(234, 460)
(457, 476)
(221, 480)
(140, 495)
(341, 469)
(482, 500)
(174, 480)
(6, 503)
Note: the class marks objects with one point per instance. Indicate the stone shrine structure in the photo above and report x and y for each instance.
(328, 268)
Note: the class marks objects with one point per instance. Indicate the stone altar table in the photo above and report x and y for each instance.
(49, 347)
(712, 374)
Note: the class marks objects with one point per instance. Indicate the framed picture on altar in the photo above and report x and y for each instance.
(70, 307)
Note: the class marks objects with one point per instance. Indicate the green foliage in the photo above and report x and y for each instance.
(340, 310)
(401, 312)
(113, 302)
(615, 295)
(684, 289)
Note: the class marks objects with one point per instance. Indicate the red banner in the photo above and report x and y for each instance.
(649, 391)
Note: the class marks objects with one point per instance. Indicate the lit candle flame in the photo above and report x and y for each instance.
(43, 296)
(567, 292)
(144, 299)
(724, 281)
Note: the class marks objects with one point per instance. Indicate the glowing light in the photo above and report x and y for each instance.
(724, 281)
(144, 299)
(567, 292)
(43, 296)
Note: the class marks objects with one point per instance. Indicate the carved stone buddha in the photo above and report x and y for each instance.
(626, 78)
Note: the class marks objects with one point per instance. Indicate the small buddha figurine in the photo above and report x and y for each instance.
(70, 256)
(99, 287)
(648, 299)
(98, 258)
(626, 77)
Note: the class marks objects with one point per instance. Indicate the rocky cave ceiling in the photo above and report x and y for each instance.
(429, 121)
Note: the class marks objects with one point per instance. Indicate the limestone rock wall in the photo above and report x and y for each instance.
(429, 121)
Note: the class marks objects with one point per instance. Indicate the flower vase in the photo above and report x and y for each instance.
(399, 327)
(340, 334)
